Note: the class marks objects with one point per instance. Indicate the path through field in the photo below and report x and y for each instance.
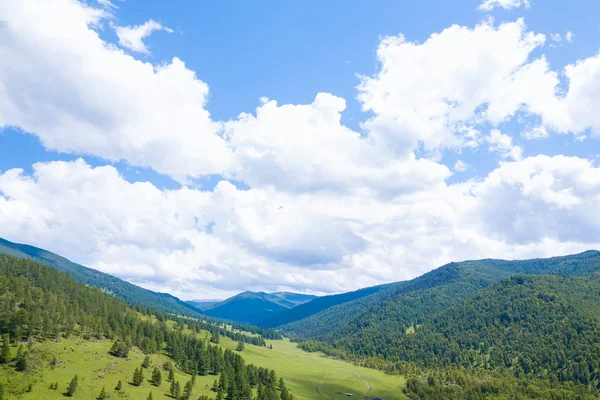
(366, 383)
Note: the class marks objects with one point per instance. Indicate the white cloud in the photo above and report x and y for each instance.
(323, 242)
(132, 37)
(553, 197)
(78, 94)
(503, 144)
(489, 5)
(461, 166)
(575, 112)
(536, 132)
(305, 148)
(106, 3)
(569, 36)
(439, 92)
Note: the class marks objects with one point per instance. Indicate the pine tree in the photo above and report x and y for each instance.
(284, 395)
(138, 377)
(5, 355)
(240, 346)
(147, 362)
(177, 393)
(119, 386)
(20, 352)
(102, 394)
(73, 386)
(172, 388)
(187, 390)
(156, 377)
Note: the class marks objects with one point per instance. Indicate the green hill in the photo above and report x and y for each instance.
(370, 326)
(132, 294)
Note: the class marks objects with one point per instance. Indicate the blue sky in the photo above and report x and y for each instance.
(238, 170)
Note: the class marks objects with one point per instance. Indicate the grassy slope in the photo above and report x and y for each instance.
(96, 368)
(312, 376)
(308, 375)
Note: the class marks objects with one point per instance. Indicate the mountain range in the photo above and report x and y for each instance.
(536, 319)
(252, 307)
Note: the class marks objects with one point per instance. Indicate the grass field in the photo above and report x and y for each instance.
(96, 368)
(308, 375)
(311, 376)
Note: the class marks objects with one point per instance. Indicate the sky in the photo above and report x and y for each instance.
(203, 148)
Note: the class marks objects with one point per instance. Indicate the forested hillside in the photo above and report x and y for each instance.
(370, 326)
(39, 303)
(132, 294)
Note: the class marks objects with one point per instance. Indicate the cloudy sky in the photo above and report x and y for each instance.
(203, 148)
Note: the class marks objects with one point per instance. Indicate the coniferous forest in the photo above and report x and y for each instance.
(39, 303)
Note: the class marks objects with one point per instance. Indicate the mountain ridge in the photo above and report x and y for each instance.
(120, 288)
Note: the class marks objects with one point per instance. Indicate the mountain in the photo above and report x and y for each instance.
(372, 326)
(202, 304)
(254, 307)
(319, 304)
(131, 293)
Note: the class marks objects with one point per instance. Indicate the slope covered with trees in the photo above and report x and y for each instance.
(132, 294)
(39, 303)
(369, 326)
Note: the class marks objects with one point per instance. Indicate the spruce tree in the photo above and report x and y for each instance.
(172, 388)
(5, 355)
(187, 390)
(215, 386)
(2, 392)
(138, 377)
(240, 346)
(147, 362)
(156, 377)
(177, 393)
(102, 394)
(72, 388)
(171, 375)
(284, 395)
(119, 386)
(150, 396)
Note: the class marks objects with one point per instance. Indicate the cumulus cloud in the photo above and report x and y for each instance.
(304, 148)
(78, 94)
(328, 208)
(265, 239)
(132, 37)
(439, 92)
(489, 5)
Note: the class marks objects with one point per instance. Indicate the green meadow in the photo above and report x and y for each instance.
(313, 376)
(308, 375)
